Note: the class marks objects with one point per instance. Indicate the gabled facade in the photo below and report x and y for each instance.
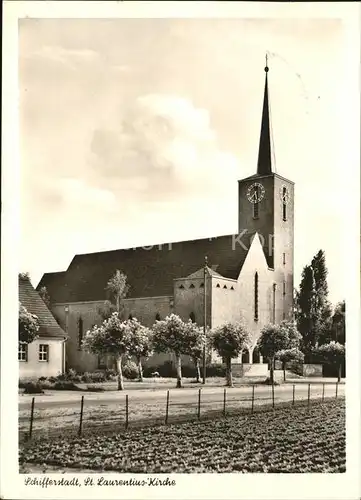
(45, 356)
(249, 275)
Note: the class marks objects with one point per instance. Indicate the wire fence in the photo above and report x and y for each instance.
(79, 417)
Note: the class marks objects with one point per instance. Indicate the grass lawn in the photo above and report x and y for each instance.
(288, 439)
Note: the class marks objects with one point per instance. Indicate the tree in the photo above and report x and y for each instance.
(28, 325)
(141, 343)
(174, 335)
(117, 288)
(112, 337)
(314, 311)
(338, 329)
(306, 314)
(333, 353)
(275, 338)
(287, 355)
(197, 342)
(229, 340)
(43, 292)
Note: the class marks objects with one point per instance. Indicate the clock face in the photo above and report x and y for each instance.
(255, 192)
(285, 194)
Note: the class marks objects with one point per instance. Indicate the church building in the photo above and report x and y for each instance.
(246, 276)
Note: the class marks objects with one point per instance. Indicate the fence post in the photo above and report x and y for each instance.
(199, 404)
(323, 392)
(308, 394)
(81, 416)
(166, 408)
(126, 411)
(31, 417)
(273, 395)
(252, 399)
(224, 402)
(336, 389)
(293, 394)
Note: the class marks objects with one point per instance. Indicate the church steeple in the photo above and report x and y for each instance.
(264, 165)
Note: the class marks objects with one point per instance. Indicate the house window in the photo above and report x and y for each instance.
(23, 352)
(284, 259)
(256, 297)
(80, 332)
(192, 317)
(284, 204)
(43, 352)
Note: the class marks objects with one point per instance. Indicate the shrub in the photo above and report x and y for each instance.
(41, 379)
(95, 377)
(33, 388)
(130, 370)
(110, 373)
(52, 379)
(167, 369)
(216, 370)
(65, 385)
(95, 388)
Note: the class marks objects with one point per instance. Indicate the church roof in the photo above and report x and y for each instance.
(200, 273)
(31, 300)
(150, 271)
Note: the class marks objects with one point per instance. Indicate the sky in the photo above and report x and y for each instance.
(135, 131)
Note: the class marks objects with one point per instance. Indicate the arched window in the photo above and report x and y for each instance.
(274, 303)
(255, 204)
(192, 317)
(284, 203)
(157, 317)
(256, 296)
(80, 332)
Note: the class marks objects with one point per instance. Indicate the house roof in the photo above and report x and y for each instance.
(150, 271)
(30, 299)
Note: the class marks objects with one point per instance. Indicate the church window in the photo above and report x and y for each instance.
(284, 316)
(232, 288)
(274, 303)
(225, 286)
(256, 297)
(284, 258)
(284, 288)
(201, 285)
(255, 204)
(284, 204)
(157, 317)
(192, 286)
(80, 332)
(218, 285)
(192, 317)
(181, 287)
(130, 316)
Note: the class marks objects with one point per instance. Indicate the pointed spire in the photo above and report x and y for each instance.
(264, 165)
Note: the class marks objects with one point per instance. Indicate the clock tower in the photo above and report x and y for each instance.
(266, 206)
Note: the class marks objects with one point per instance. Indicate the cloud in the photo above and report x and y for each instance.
(163, 146)
(67, 57)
